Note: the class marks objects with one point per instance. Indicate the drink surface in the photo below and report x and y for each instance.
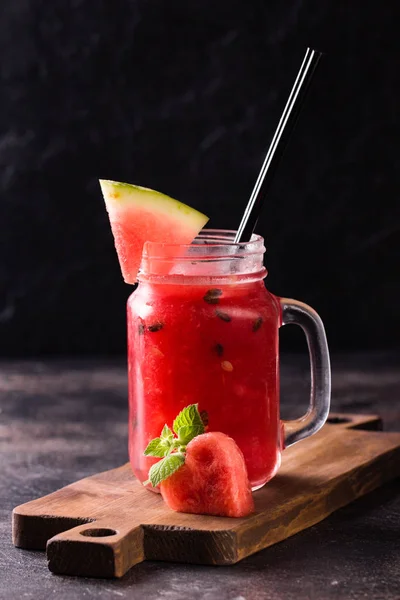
(215, 346)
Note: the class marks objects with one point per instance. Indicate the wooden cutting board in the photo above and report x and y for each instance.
(103, 525)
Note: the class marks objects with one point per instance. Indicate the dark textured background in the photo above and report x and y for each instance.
(184, 97)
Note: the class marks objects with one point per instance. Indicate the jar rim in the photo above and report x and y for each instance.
(214, 241)
(213, 256)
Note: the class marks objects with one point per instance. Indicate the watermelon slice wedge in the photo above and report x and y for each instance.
(138, 215)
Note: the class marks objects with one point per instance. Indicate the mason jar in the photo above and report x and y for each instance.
(203, 329)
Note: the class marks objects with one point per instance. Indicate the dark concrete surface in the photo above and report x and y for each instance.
(61, 421)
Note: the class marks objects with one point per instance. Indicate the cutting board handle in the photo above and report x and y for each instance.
(114, 550)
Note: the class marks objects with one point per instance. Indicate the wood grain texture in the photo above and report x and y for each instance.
(104, 524)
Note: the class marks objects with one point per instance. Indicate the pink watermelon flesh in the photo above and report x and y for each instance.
(213, 480)
(138, 215)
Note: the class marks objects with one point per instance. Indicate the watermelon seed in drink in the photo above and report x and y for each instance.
(155, 327)
(257, 324)
(212, 296)
(219, 349)
(223, 316)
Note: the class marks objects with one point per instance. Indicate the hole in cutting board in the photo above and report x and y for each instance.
(337, 420)
(103, 532)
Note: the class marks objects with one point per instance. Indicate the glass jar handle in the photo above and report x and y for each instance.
(300, 314)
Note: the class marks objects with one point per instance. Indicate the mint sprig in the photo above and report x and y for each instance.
(172, 448)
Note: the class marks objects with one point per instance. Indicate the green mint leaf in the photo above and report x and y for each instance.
(167, 434)
(158, 447)
(161, 446)
(188, 417)
(188, 432)
(165, 468)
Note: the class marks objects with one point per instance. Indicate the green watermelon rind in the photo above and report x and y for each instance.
(136, 195)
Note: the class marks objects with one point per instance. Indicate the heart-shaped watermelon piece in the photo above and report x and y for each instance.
(212, 481)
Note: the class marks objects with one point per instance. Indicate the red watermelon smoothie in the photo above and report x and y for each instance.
(202, 328)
